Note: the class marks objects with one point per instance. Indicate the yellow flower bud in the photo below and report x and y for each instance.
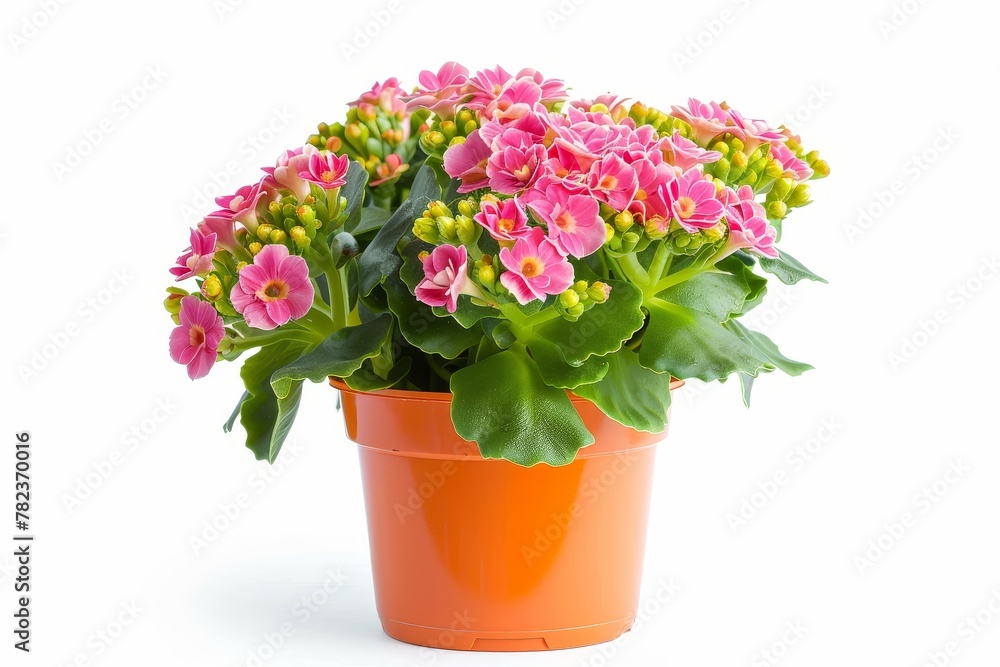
(254, 248)
(278, 236)
(623, 221)
(264, 231)
(569, 298)
(439, 210)
(487, 276)
(212, 288)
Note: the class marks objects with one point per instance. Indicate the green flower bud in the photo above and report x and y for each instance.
(306, 215)
(278, 236)
(623, 221)
(487, 276)
(345, 245)
(447, 228)
(781, 189)
(576, 311)
(448, 129)
(629, 241)
(799, 196)
(580, 286)
(425, 229)
(738, 164)
(438, 209)
(656, 228)
(264, 231)
(468, 230)
(467, 207)
(721, 147)
(721, 169)
(173, 301)
(569, 298)
(599, 292)
(610, 232)
(212, 288)
(773, 169)
(776, 210)
(713, 234)
(820, 169)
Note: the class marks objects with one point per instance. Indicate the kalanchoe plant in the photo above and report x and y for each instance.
(485, 235)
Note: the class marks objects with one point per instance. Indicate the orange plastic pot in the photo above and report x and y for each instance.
(484, 555)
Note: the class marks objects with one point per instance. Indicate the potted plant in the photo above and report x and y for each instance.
(504, 285)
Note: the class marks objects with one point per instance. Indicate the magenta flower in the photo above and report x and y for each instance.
(573, 220)
(327, 170)
(446, 277)
(553, 90)
(467, 162)
(693, 201)
(285, 172)
(505, 220)
(748, 225)
(274, 289)
(613, 182)
(195, 343)
(513, 169)
(688, 154)
(242, 206)
(709, 120)
(222, 225)
(535, 268)
(197, 260)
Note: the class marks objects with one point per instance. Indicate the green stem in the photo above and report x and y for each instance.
(338, 296)
(659, 264)
(285, 333)
(633, 270)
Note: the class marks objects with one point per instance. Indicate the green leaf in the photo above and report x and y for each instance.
(557, 373)
(757, 285)
(690, 344)
(379, 259)
(365, 378)
(746, 386)
(767, 350)
(339, 355)
(422, 328)
(720, 295)
(260, 413)
(503, 405)
(288, 407)
(354, 191)
(228, 426)
(600, 330)
(372, 219)
(412, 272)
(788, 269)
(630, 393)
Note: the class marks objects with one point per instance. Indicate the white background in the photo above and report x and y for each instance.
(909, 107)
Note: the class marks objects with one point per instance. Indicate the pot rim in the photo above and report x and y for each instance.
(442, 396)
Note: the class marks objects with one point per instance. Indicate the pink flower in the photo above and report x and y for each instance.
(243, 205)
(553, 90)
(197, 260)
(573, 220)
(789, 162)
(285, 172)
(708, 120)
(467, 162)
(195, 343)
(693, 202)
(274, 289)
(440, 92)
(386, 96)
(687, 154)
(612, 181)
(222, 225)
(757, 131)
(326, 170)
(392, 167)
(535, 268)
(512, 169)
(748, 226)
(445, 278)
(505, 220)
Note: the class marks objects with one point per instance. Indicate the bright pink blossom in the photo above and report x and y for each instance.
(467, 162)
(613, 181)
(285, 172)
(512, 169)
(505, 220)
(709, 120)
(327, 170)
(242, 206)
(445, 277)
(757, 131)
(221, 224)
(789, 162)
(686, 154)
(573, 220)
(441, 92)
(195, 343)
(748, 225)
(535, 268)
(274, 289)
(693, 201)
(197, 260)
(386, 96)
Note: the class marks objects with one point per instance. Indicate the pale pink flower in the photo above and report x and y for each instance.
(686, 154)
(221, 224)
(709, 120)
(195, 343)
(274, 289)
(535, 268)
(505, 220)
(553, 90)
(573, 220)
(387, 96)
(327, 170)
(748, 225)
(285, 173)
(467, 162)
(693, 202)
(757, 131)
(197, 260)
(242, 206)
(446, 277)
(441, 92)
(789, 162)
(613, 182)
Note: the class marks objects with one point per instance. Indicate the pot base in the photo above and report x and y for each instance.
(472, 640)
